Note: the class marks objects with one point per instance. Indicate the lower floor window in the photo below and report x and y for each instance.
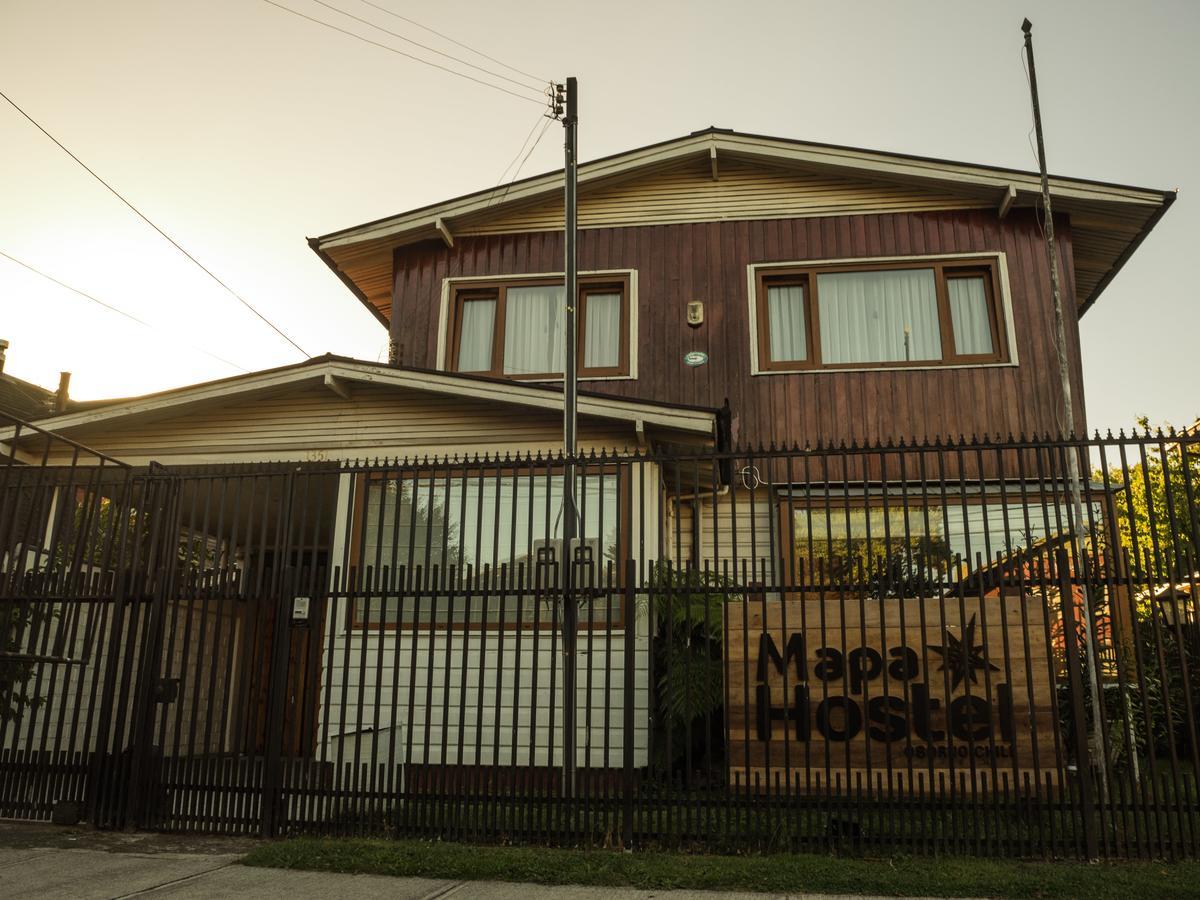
(485, 548)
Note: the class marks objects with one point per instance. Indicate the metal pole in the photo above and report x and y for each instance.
(570, 399)
(1068, 425)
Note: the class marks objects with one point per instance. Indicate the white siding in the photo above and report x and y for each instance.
(376, 671)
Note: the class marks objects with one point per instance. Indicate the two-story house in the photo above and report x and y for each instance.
(822, 303)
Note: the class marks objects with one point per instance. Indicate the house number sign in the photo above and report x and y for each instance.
(695, 358)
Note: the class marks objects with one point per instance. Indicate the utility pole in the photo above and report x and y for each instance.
(570, 618)
(1067, 425)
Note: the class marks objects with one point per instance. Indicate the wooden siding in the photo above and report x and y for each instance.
(687, 192)
(312, 423)
(707, 261)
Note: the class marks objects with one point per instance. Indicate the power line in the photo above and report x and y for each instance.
(146, 219)
(394, 34)
(447, 37)
(517, 173)
(367, 40)
(110, 307)
(500, 180)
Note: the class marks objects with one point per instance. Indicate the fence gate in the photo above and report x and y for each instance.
(920, 648)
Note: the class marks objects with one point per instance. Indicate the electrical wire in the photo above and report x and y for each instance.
(447, 37)
(427, 62)
(500, 180)
(369, 23)
(517, 174)
(112, 308)
(146, 219)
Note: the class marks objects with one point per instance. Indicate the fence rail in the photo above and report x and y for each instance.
(971, 646)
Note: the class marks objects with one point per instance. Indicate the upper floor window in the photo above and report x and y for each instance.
(918, 313)
(517, 328)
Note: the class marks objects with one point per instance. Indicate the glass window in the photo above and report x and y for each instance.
(879, 316)
(475, 342)
(602, 331)
(934, 540)
(788, 331)
(518, 329)
(534, 330)
(472, 527)
(969, 312)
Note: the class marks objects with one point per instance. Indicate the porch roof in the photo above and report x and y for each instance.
(337, 373)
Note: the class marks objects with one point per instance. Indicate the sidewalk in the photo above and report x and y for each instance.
(51, 863)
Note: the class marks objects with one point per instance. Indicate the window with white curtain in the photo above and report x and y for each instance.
(534, 330)
(517, 329)
(971, 315)
(789, 333)
(879, 316)
(935, 312)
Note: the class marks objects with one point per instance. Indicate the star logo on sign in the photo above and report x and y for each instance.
(962, 657)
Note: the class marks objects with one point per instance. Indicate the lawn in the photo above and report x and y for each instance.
(896, 876)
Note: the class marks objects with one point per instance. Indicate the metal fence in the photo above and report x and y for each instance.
(977, 646)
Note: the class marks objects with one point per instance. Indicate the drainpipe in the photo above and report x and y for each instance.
(3, 348)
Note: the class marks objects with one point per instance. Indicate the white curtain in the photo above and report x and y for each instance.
(534, 330)
(602, 331)
(969, 310)
(785, 326)
(475, 342)
(884, 316)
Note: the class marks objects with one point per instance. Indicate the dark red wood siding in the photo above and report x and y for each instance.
(707, 261)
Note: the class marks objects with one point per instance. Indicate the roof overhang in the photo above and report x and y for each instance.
(1109, 220)
(334, 371)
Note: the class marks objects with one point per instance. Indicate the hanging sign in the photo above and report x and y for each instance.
(695, 358)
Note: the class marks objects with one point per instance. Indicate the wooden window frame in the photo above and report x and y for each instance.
(497, 289)
(624, 547)
(943, 271)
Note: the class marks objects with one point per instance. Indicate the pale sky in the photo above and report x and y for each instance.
(241, 130)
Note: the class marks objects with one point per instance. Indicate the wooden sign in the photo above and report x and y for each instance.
(909, 693)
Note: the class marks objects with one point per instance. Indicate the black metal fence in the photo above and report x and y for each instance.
(980, 646)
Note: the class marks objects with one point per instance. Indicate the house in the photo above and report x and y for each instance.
(363, 569)
(20, 399)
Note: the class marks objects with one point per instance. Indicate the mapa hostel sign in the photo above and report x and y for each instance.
(968, 690)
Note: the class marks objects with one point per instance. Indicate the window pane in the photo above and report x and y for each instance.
(870, 317)
(602, 331)
(481, 526)
(936, 541)
(969, 310)
(534, 328)
(475, 342)
(786, 328)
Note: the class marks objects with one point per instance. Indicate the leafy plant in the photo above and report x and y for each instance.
(688, 624)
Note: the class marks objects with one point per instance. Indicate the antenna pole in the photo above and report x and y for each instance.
(1067, 425)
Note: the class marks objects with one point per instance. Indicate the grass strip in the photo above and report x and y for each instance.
(781, 873)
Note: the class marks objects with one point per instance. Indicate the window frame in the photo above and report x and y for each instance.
(354, 623)
(496, 289)
(944, 268)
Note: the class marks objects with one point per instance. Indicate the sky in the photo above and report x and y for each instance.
(241, 130)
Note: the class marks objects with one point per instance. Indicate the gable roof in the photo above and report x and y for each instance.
(1108, 220)
(337, 372)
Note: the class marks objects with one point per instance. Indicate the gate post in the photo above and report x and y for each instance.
(277, 677)
(1075, 697)
(629, 688)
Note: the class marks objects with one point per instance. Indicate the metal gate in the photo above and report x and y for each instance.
(923, 648)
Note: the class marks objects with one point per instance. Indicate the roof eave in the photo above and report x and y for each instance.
(315, 244)
(1168, 198)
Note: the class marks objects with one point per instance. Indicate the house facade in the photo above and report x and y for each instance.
(827, 529)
